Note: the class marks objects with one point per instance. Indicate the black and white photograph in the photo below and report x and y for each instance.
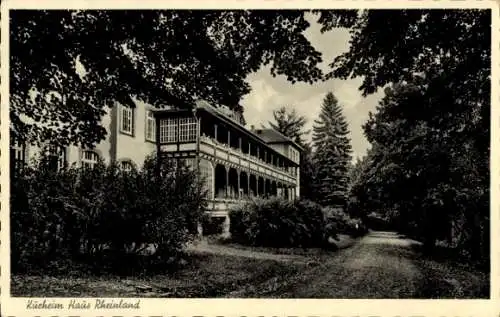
(246, 153)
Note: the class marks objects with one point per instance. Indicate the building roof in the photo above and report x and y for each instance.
(259, 137)
(269, 135)
(272, 136)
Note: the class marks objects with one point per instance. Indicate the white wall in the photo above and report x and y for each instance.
(116, 145)
(135, 148)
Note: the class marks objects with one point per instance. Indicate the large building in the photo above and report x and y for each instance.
(236, 163)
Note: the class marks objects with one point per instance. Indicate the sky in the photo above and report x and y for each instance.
(269, 93)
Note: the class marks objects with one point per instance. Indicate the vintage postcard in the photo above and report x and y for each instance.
(249, 158)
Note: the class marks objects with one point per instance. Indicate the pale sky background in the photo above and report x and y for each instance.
(269, 93)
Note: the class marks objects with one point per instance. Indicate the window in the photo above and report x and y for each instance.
(293, 154)
(89, 159)
(150, 126)
(127, 166)
(56, 156)
(127, 120)
(168, 130)
(187, 129)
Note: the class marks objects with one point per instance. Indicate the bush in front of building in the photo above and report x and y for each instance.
(277, 222)
(77, 213)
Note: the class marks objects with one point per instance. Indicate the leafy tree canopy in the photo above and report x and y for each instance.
(389, 46)
(429, 167)
(164, 57)
(441, 164)
(445, 52)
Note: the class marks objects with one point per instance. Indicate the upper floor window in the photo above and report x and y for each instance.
(127, 120)
(187, 129)
(293, 154)
(168, 130)
(89, 159)
(150, 126)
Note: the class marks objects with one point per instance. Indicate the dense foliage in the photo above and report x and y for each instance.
(70, 66)
(277, 222)
(76, 212)
(428, 170)
(448, 199)
(307, 170)
(332, 154)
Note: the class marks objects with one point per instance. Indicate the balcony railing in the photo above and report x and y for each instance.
(247, 156)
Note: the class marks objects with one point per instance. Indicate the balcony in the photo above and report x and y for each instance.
(236, 156)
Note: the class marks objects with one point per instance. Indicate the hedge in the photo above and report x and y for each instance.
(277, 222)
(73, 212)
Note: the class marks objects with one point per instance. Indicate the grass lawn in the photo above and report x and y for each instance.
(446, 276)
(203, 276)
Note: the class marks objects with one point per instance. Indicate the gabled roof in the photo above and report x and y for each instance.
(272, 136)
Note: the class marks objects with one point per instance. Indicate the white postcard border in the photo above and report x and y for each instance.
(255, 307)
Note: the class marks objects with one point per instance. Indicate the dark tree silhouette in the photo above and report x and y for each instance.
(163, 57)
(431, 131)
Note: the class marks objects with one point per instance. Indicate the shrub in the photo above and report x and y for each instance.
(344, 223)
(75, 212)
(276, 222)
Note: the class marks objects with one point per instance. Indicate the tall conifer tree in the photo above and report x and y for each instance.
(332, 154)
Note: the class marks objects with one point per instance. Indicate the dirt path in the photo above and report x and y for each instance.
(378, 266)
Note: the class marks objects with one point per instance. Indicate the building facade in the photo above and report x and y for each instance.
(130, 139)
(235, 163)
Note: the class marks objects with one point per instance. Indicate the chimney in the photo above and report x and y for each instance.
(252, 128)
